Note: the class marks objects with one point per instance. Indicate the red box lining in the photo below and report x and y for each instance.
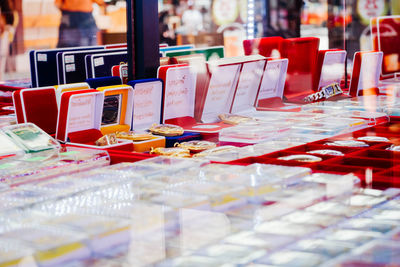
(362, 162)
(310, 147)
(378, 154)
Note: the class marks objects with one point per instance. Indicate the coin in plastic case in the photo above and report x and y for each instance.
(302, 158)
(328, 152)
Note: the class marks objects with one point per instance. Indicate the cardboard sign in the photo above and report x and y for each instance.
(220, 91)
(248, 85)
(179, 96)
(273, 81)
(81, 115)
(146, 103)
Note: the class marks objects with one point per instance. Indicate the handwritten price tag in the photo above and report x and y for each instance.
(146, 104)
(179, 93)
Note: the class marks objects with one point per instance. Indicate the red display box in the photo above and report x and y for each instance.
(302, 54)
(38, 106)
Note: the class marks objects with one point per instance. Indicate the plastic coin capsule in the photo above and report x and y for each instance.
(234, 119)
(166, 130)
(347, 143)
(373, 139)
(302, 158)
(171, 152)
(134, 136)
(328, 152)
(196, 146)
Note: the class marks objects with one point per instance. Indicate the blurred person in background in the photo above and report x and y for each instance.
(6, 32)
(192, 20)
(78, 26)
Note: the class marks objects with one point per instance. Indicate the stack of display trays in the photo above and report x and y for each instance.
(373, 163)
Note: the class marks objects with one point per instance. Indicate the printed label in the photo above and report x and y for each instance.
(99, 61)
(70, 67)
(69, 59)
(42, 57)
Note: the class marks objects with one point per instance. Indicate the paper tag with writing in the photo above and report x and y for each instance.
(42, 57)
(99, 61)
(371, 65)
(146, 104)
(249, 82)
(69, 59)
(332, 68)
(81, 113)
(273, 81)
(70, 67)
(179, 93)
(220, 92)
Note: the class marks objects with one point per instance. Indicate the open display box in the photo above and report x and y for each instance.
(117, 108)
(302, 54)
(29, 107)
(79, 120)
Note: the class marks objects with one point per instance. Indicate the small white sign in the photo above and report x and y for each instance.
(220, 92)
(248, 85)
(70, 67)
(69, 59)
(42, 57)
(273, 81)
(146, 104)
(81, 113)
(180, 87)
(99, 61)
